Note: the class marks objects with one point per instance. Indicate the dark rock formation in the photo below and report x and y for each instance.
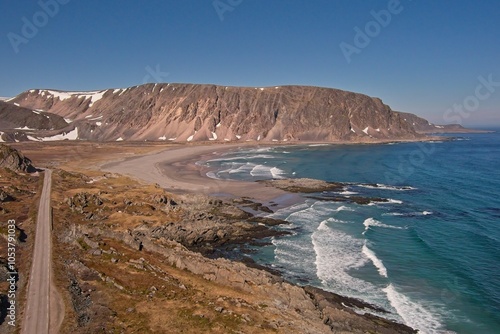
(304, 185)
(310, 303)
(5, 197)
(12, 159)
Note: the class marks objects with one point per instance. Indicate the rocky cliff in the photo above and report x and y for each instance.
(14, 160)
(191, 112)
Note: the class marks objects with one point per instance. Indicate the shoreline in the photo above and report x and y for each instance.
(174, 169)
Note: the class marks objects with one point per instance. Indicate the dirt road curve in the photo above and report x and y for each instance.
(36, 318)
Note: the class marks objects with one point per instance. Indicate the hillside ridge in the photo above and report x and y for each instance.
(197, 112)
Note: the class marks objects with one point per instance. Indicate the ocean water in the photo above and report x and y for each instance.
(430, 255)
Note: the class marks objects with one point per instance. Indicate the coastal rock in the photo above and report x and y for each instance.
(351, 199)
(423, 126)
(193, 112)
(334, 307)
(303, 185)
(311, 304)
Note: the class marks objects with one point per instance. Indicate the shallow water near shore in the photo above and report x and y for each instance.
(429, 255)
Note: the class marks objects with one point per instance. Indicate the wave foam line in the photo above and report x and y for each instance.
(265, 171)
(337, 253)
(382, 270)
(414, 314)
(373, 222)
(410, 214)
(247, 157)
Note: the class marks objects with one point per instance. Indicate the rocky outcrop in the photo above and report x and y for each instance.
(203, 224)
(14, 160)
(5, 197)
(190, 112)
(310, 303)
(304, 185)
(423, 126)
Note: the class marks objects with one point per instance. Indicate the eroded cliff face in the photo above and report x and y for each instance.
(191, 112)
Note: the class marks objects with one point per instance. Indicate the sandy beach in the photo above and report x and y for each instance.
(174, 169)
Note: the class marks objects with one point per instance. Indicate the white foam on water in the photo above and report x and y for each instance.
(386, 187)
(287, 211)
(248, 157)
(382, 270)
(414, 314)
(266, 171)
(277, 173)
(212, 175)
(393, 214)
(394, 201)
(369, 222)
(238, 168)
(307, 214)
(344, 208)
(294, 256)
(337, 253)
(347, 192)
(256, 150)
(409, 214)
(389, 201)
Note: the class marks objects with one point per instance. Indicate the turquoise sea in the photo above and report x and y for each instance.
(430, 255)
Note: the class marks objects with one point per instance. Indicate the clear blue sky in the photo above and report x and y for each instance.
(425, 60)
